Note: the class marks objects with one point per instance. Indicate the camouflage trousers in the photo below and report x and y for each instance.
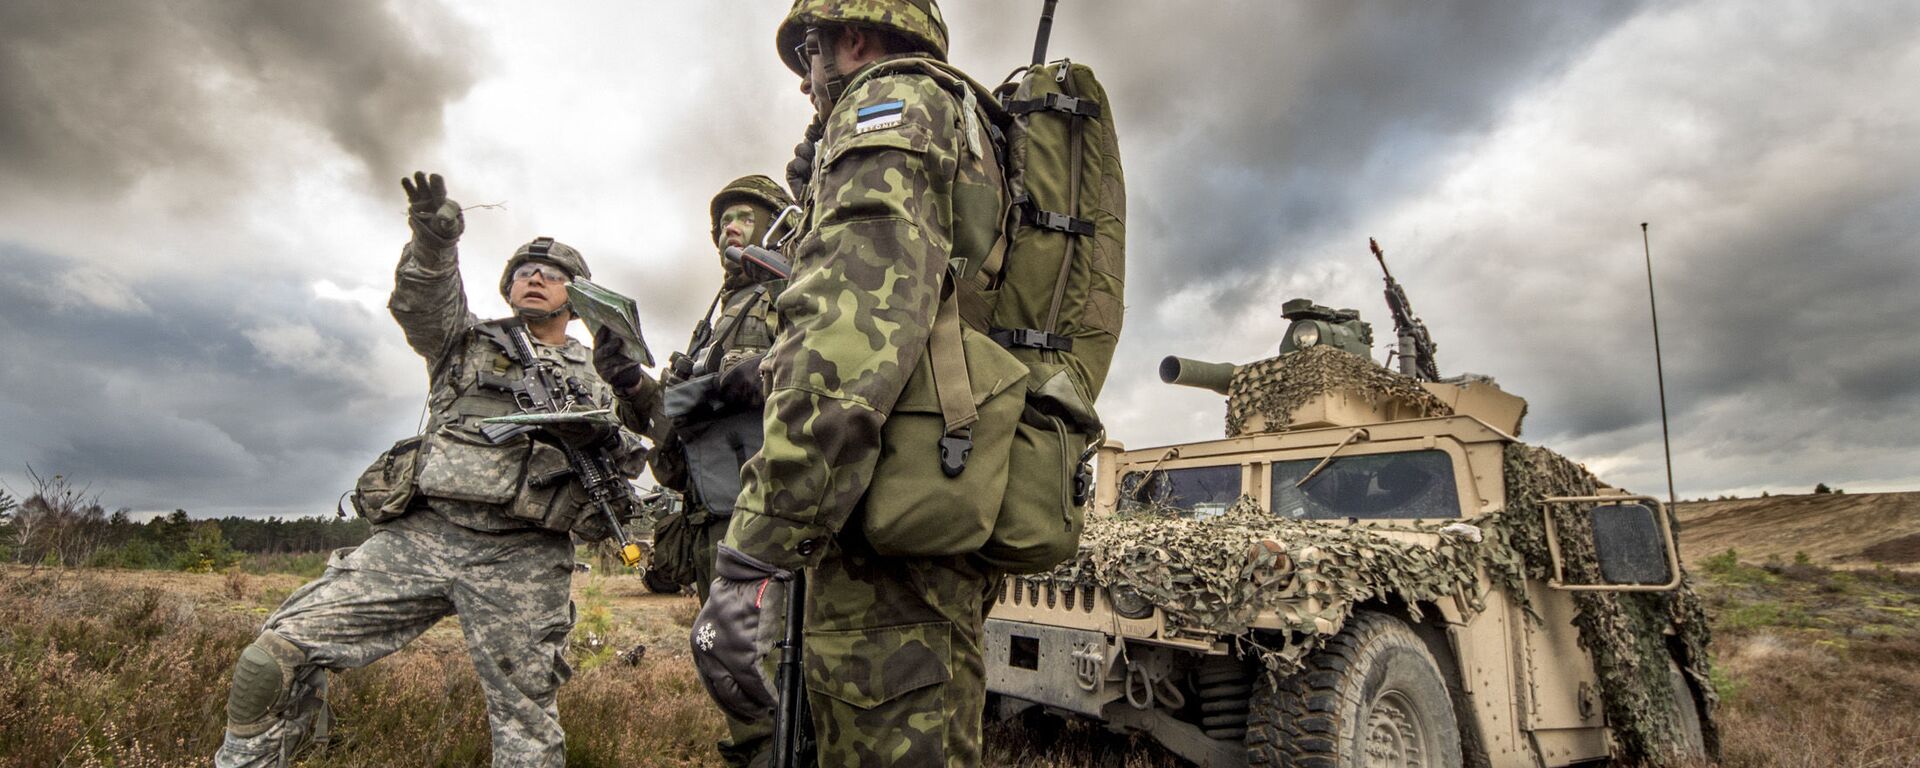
(894, 666)
(509, 589)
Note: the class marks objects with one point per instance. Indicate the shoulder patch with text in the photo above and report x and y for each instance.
(886, 114)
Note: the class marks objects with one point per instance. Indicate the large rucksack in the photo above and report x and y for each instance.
(1049, 293)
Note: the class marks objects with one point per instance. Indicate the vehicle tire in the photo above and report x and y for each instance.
(1686, 707)
(660, 585)
(1372, 698)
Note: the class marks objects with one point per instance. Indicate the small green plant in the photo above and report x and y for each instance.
(1725, 683)
(593, 628)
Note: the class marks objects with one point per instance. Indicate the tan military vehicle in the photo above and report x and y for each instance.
(1369, 570)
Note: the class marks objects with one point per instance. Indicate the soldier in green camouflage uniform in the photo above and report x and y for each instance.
(904, 179)
(469, 544)
(741, 214)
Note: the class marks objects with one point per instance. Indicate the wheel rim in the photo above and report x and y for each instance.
(1396, 733)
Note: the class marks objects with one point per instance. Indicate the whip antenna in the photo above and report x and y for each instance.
(1659, 372)
(1046, 29)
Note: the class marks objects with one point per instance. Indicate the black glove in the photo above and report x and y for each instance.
(435, 220)
(736, 629)
(740, 385)
(582, 435)
(800, 168)
(616, 366)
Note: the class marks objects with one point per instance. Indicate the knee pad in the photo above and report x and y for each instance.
(262, 683)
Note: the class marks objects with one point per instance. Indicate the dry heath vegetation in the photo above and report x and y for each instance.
(127, 668)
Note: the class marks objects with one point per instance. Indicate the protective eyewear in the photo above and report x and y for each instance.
(547, 272)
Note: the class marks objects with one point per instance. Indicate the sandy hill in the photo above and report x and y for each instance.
(1847, 529)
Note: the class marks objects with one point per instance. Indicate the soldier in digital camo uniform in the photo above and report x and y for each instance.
(893, 661)
(465, 545)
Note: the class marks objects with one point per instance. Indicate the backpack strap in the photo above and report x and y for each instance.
(952, 384)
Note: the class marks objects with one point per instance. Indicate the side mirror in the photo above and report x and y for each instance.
(1632, 544)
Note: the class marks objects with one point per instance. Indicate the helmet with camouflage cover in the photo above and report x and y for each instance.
(918, 21)
(546, 250)
(758, 191)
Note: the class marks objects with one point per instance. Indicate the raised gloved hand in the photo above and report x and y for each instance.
(435, 220)
(736, 629)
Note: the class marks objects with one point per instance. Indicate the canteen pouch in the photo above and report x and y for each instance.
(386, 487)
(1044, 509)
(913, 508)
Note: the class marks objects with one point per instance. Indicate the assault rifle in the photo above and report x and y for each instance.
(1416, 345)
(540, 390)
(793, 742)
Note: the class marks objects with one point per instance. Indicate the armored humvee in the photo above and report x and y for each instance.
(1370, 569)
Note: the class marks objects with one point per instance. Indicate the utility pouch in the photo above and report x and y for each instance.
(386, 488)
(469, 468)
(673, 549)
(937, 488)
(1040, 519)
(548, 497)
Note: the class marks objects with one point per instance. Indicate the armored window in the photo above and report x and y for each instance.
(1197, 491)
(1383, 486)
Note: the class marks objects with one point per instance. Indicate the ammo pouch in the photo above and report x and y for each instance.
(718, 439)
(386, 488)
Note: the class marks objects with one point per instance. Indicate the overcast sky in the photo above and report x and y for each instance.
(200, 214)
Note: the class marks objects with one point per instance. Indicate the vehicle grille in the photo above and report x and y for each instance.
(1055, 595)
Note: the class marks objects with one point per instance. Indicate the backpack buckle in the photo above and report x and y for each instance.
(1082, 484)
(954, 449)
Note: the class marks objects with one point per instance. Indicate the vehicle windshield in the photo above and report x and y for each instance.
(1199, 491)
(1381, 486)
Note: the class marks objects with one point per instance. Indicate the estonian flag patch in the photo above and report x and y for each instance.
(886, 114)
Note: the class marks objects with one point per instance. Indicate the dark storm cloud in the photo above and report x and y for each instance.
(187, 392)
(97, 94)
(1251, 128)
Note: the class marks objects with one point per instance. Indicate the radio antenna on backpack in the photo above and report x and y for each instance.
(1659, 370)
(1046, 30)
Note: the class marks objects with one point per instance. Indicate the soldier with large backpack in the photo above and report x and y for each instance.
(929, 396)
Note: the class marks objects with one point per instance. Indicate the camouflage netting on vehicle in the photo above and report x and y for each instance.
(1625, 631)
(1219, 573)
(1274, 388)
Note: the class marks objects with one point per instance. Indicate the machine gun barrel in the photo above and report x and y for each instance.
(1196, 373)
(1416, 344)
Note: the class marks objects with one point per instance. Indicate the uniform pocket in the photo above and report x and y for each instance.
(870, 667)
(470, 469)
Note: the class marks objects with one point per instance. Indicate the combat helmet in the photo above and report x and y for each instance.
(550, 251)
(916, 20)
(755, 190)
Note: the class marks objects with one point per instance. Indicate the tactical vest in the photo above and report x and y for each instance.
(719, 436)
(517, 483)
